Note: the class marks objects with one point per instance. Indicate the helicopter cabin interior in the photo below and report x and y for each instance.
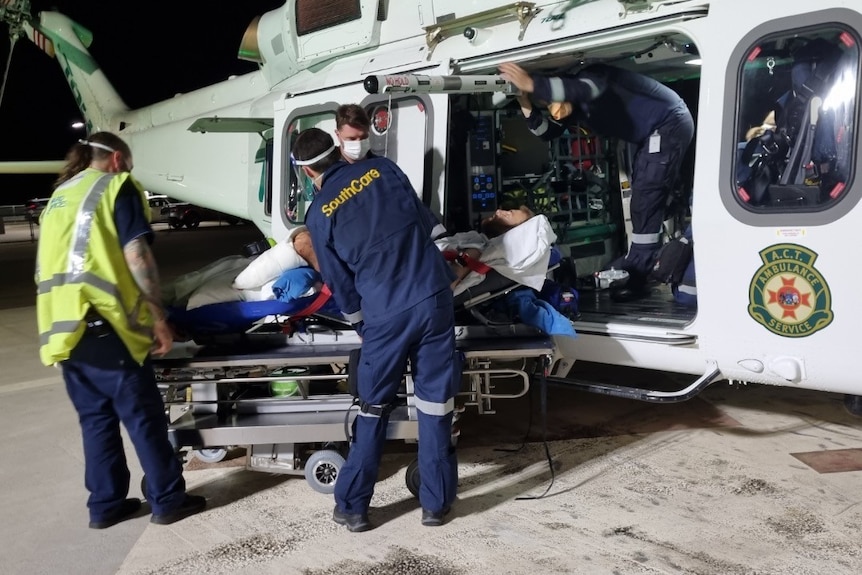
(580, 181)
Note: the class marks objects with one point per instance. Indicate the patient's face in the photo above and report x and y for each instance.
(504, 220)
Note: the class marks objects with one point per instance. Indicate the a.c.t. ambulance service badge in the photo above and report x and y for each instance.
(787, 295)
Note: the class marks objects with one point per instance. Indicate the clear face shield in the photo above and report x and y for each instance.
(302, 187)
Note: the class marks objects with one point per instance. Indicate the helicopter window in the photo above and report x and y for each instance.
(314, 15)
(300, 190)
(796, 120)
(387, 116)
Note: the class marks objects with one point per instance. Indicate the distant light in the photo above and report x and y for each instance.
(695, 61)
(78, 125)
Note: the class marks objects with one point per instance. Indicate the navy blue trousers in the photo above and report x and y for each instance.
(425, 335)
(653, 178)
(107, 387)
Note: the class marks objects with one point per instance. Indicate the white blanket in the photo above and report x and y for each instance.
(521, 254)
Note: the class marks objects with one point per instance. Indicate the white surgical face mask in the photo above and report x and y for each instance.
(355, 149)
(316, 182)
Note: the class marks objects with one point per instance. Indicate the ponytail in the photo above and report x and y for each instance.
(82, 153)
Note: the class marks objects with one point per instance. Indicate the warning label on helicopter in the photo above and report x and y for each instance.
(787, 295)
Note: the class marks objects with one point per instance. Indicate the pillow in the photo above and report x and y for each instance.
(217, 289)
(269, 265)
(177, 292)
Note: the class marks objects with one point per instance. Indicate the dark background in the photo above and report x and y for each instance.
(150, 52)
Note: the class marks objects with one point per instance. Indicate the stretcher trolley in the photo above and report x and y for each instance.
(286, 398)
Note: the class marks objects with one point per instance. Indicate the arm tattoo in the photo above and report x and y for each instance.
(143, 267)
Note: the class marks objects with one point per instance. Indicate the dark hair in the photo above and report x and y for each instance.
(313, 142)
(352, 115)
(494, 226)
(82, 154)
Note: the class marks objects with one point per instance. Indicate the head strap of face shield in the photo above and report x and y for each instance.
(315, 159)
(97, 145)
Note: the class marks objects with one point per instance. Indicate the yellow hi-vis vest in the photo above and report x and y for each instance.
(80, 264)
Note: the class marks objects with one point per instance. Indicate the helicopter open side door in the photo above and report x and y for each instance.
(409, 129)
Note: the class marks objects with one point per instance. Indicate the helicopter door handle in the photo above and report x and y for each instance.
(174, 178)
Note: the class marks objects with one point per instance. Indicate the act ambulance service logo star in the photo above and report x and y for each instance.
(787, 295)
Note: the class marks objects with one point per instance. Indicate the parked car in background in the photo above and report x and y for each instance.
(35, 207)
(184, 214)
(158, 213)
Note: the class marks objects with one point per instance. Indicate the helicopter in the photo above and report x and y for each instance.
(775, 289)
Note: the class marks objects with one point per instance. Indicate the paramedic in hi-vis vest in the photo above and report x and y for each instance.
(99, 313)
(372, 236)
(634, 108)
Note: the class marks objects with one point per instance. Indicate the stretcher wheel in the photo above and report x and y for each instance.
(321, 470)
(412, 478)
(210, 454)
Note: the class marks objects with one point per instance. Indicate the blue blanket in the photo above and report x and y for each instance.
(538, 313)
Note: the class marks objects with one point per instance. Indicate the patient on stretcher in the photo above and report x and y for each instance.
(521, 256)
(514, 243)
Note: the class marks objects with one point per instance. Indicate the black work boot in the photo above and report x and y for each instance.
(434, 518)
(192, 504)
(355, 522)
(126, 510)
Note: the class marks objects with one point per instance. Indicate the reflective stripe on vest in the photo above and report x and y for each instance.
(81, 270)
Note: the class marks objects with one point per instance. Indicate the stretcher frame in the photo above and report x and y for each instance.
(292, 433)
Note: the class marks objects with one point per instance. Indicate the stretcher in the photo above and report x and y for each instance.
(221, 393)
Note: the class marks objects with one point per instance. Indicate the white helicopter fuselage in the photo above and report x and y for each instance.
(775, 287)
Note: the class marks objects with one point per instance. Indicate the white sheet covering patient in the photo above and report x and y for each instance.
(521, 253)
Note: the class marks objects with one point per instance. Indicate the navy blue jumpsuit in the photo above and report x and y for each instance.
(372, 237)
(620, 104)
(107, 386)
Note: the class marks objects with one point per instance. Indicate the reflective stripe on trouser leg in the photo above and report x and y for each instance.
(652, 180)
(379, 373)
(437, 377)
(385, 348)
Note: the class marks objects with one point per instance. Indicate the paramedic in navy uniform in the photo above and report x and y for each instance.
(620, 104)
(373, 239)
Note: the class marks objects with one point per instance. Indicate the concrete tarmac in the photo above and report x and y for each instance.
(741, 480)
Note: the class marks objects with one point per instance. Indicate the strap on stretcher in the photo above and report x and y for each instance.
(466, 261)
(318, 302)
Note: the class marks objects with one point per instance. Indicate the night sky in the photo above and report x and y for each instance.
(149, 51)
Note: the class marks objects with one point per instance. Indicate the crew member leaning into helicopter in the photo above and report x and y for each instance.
(634, 108)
